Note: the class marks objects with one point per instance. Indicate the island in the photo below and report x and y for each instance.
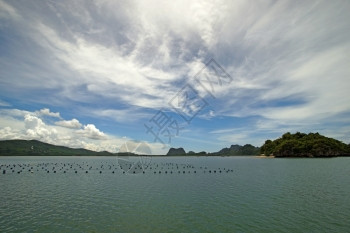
(312, 145)
(176, 151)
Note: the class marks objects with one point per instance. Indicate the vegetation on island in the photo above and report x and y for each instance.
(305, 145)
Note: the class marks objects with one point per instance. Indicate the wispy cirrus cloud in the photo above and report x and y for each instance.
(7, 11)
(4, 104)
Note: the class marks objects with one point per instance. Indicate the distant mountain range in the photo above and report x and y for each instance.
(233, 150)
(289, 145)
(37, 148)
(247, 149)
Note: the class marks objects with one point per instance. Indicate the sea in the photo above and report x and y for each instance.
(174, 194)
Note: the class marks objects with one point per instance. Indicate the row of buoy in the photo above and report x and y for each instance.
(136, 171)
(127, 167)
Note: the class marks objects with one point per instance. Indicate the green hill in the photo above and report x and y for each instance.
(305, 145)
(37, 148)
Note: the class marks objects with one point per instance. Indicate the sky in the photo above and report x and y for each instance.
(201, 75)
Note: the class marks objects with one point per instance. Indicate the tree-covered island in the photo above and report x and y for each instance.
(305, 145)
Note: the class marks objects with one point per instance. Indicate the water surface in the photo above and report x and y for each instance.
(260, 195)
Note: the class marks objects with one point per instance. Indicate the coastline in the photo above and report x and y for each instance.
(264, 156)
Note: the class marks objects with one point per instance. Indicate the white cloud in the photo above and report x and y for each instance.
(37, 129)
(112, 69)
(72, 124)
(32, 122)
(14, 112)
(47, 112)
(8, 133)
(90, 131)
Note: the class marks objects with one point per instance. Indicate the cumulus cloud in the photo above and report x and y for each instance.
(90, 131)
(7, 133)
(21, 124)
(37, 129)
(72, 124)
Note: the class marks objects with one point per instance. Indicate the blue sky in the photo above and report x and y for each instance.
(92, 74)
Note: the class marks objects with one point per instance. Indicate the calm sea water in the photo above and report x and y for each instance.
(260, 195)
